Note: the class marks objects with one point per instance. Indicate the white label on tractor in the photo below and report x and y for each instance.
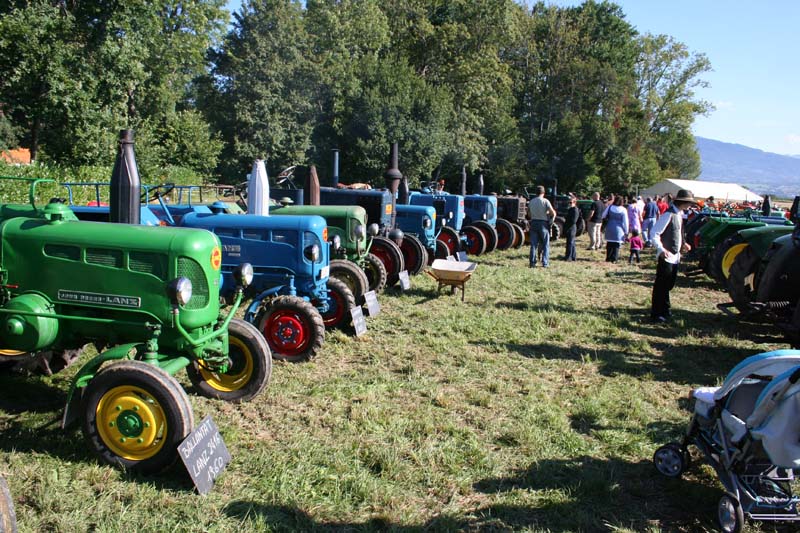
(94, 298)
(325, 272)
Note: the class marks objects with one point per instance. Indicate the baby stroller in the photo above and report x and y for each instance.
(749, 431)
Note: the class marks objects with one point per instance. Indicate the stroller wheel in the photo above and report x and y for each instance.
(670, 460)
(730, 514)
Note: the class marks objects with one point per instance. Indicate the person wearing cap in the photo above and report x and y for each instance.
(540, 212)
(667, 238)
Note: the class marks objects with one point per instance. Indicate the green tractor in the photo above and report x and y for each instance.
(148, 299)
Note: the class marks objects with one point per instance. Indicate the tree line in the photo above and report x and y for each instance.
(509, 91)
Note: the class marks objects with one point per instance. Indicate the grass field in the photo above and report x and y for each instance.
(534, 405)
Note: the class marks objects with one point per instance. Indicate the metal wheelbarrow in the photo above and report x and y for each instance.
(453, 274)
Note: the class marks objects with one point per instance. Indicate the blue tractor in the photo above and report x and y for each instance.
(293, 297)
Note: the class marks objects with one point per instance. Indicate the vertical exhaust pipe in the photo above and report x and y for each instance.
(335, 178)
(402, 193)
(392, 177)
(312, 187)
(480, 183)
(258, 190)
(125, 191)
(463, 180)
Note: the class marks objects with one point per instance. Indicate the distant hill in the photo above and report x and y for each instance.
(761, 172)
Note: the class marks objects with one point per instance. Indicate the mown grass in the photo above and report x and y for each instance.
(534, 405)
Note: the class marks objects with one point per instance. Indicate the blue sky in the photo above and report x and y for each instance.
(753, 47)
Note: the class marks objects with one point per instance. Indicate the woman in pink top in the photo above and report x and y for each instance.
(634, 215)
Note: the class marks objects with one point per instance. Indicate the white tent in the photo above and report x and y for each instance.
(703, 189)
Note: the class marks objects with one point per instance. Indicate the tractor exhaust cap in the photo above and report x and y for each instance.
(125, 194)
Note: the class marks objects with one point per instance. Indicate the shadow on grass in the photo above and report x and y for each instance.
(23, 394)
(583, 494)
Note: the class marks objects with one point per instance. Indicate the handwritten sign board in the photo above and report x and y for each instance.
(359, 322)
(462, 256)
(204, 454)
(371, 301)
(405, 283)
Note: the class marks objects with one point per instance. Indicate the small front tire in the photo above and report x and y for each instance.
(376, 273)
(293, 329)
(352, 275)
(135, 415)
(249, 366)
(340, 301)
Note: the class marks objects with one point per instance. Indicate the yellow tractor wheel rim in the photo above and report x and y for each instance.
(730, 256)
(131, 423)
(11, 353)
(238, 375)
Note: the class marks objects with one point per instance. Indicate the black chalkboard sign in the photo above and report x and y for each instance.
(359, 322)
(371, 301)
(405, 283)
(204, 454)
(462, 256)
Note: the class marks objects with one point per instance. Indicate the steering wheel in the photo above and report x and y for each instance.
(157, 192)
(285, 175)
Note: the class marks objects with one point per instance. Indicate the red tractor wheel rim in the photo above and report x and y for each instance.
(473, 245)
(385, 258)
(449, 241)
(411, 255)
(336, 309)
(504, 238)
(287, 333)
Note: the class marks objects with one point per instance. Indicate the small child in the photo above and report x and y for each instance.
(636, 245)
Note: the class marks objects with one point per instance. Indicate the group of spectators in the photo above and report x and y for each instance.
(651, 222)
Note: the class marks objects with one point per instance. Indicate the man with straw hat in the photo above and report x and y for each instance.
(667, 238)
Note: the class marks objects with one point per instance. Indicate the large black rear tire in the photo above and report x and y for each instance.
(519, 242)
(391, 256)
(249, 366)
(415, 255)
(352, 275)
(376, 273)
(489, 233)
(505, 234)
(476, 241)
(340, 301)
(450, 237)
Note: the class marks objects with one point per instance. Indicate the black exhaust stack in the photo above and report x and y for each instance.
(335, 179)
(463, 180)
(312, 187)
(125, 185)
(402, 194)
(480, 183)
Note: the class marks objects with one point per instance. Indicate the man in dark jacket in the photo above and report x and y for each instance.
(667, 238)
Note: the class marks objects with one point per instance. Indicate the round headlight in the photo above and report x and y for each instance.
(450, 215)
(373, 229)
(180, 290)
(483, 216)
(337, 242)
(243, 274)
(426, 223)
(312, 253)
(359, 231)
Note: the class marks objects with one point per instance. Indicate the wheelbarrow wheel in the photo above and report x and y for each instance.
(450, 237)
(505, 234)
(476, 241)
(415, 255)
(340, 301)
(352, 275)
(391, 256)
(489, 233)
(293, 328)
(249, 366)
(376, 273)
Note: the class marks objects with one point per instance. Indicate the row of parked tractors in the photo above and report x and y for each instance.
(756, 258)
(153, 278)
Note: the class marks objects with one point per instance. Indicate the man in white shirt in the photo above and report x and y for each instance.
(667, 238)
